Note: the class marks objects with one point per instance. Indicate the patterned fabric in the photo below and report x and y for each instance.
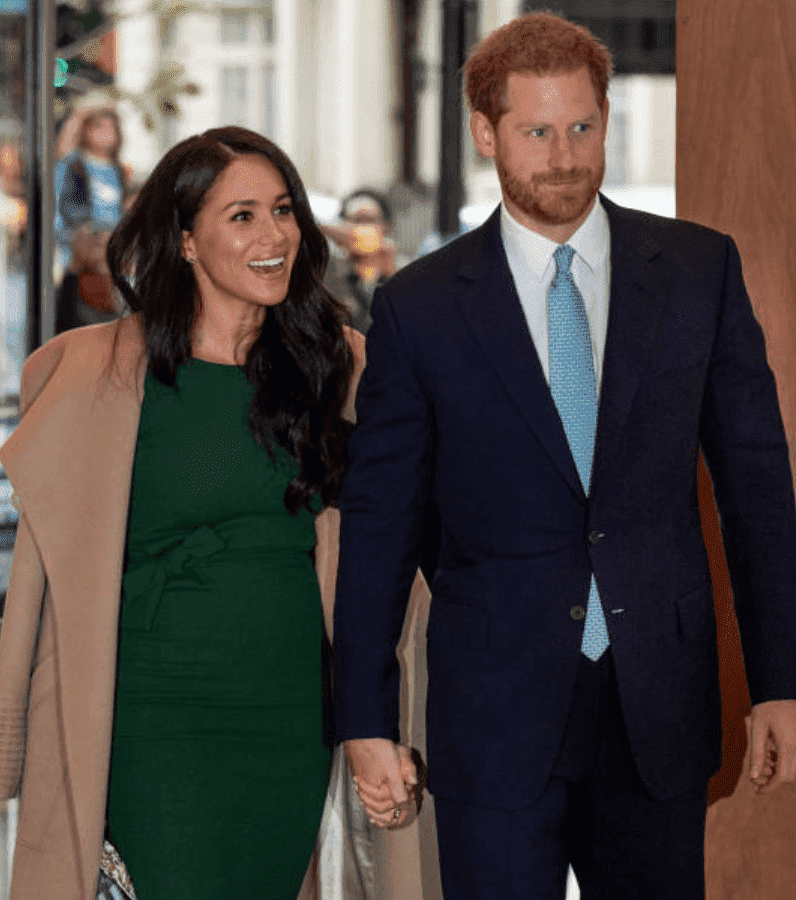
(114, 880)
(573, 386)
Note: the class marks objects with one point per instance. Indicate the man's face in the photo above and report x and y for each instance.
(549, 149)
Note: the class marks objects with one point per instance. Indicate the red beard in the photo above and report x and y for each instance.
(540, 199)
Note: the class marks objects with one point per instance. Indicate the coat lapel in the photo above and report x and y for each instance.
(70, 461)
(638, 298)
(489, 302)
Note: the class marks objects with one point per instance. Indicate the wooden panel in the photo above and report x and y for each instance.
(736, 153)
(736, 171)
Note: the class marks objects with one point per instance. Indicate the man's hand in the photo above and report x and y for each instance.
(772, 740)
(385, 778)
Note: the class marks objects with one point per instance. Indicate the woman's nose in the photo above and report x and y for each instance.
(271, 231)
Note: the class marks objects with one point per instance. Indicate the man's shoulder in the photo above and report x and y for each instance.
(639, 226)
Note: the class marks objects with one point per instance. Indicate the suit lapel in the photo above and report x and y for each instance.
(489, 302)
(638, 298)
(70, 461)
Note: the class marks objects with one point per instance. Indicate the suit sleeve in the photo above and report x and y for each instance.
(327, 523)
(382, 503)
(744, 443)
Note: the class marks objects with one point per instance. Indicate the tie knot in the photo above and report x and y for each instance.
(563, 258)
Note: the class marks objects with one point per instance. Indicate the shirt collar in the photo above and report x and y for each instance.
(591, 241)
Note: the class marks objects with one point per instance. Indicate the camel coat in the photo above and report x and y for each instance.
(70, 463)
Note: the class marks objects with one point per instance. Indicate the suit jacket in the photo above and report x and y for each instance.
(454, 410)
(70, 462)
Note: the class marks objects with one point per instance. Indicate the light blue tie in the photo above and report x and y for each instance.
(574, 389)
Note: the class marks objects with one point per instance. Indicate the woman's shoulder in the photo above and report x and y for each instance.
(84, 352)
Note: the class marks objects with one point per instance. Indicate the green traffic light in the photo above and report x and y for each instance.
(61, 71)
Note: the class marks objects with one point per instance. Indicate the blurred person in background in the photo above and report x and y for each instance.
(366, 255)
(13, 225)
(91, 187)
(174, 628)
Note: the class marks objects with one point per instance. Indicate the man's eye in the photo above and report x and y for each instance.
(582, 127)
(537, 132)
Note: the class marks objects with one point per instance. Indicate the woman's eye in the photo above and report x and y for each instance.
(243, 216)
(284, 209)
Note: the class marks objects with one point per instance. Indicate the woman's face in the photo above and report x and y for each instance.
(245, 240)
(101, 136)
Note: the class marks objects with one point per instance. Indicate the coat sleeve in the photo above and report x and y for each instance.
(20, 625)
(744, 443)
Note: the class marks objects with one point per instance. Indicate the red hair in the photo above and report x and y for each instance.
(541, 43)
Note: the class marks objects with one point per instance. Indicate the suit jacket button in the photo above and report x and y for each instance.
(577, 613)
(595, 536)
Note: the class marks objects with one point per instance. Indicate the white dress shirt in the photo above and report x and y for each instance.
(532, 266)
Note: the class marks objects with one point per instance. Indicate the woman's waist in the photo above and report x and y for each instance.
(236, 562)
(169, 542)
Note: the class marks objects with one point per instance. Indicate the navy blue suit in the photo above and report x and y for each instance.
(454, 409)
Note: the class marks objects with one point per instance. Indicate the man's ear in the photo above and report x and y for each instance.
(187, 247)
(483, 133)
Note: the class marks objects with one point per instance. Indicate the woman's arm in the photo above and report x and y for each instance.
(327, 524)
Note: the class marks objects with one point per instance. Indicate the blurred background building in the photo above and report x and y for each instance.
(353, 91)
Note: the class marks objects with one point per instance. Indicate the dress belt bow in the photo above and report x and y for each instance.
(144, 584)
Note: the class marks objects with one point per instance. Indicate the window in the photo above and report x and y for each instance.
(234, 26)
(269, 100)
(268, 22)
(640, 33)
(235, 95)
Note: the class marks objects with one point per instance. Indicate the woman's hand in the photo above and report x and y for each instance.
(382, 810)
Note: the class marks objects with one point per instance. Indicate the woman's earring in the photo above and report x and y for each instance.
(190, 260)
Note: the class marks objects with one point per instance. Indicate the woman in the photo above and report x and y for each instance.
(221, 401)
(90, 190)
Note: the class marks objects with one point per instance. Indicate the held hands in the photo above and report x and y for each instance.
(771, 732)
(386, 779)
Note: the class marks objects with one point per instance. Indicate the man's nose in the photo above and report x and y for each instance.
(561, 153)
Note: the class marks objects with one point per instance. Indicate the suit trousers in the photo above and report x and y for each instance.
(594, 814)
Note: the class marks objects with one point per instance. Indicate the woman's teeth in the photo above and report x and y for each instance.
(267, 263)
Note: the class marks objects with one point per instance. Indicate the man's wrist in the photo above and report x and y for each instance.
(353, 734)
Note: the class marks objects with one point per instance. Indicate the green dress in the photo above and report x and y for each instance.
(218, 768)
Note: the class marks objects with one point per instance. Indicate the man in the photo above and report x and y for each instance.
(547, 381)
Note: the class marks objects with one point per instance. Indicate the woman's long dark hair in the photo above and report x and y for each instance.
(300, 363)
